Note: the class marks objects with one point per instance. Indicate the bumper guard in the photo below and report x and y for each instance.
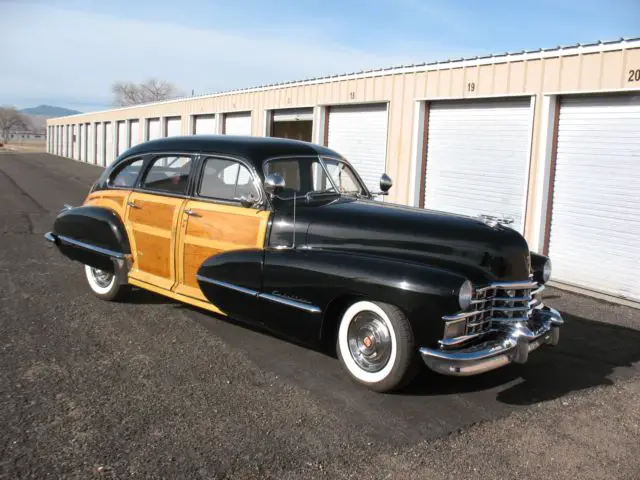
(513, 346)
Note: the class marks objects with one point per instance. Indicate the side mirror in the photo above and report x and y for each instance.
(273, 184)
(385, 184)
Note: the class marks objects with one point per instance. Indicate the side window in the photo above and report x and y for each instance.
(125, 176)
(168, 174)
(226, 180)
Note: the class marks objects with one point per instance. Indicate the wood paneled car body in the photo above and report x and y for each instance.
(285, 234)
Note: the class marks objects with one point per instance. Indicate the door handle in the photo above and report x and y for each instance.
(192, 213)
(133, 205)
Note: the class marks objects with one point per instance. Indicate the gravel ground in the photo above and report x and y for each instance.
(155, 389)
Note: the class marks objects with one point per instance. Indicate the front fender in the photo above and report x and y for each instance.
(316, 278)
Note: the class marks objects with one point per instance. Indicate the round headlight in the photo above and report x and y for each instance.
(546, 271)
(465, 295)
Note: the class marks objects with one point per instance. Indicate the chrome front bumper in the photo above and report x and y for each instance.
(513, 346)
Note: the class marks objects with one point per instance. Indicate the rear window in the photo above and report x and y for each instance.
(126, 175)
(168, 174)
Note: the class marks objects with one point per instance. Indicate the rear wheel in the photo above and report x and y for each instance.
(375, 345)
(104, 285)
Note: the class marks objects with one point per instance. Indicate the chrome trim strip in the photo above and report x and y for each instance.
(291, 303)
(459, 316)
(230, 286)
(452, 342)
(88, 246)
(265, 296)
(509, 285)
(50, 237)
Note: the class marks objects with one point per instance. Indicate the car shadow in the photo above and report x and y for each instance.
(589, 355)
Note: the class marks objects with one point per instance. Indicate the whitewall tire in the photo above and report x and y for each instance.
(375, 345)
(104, 285)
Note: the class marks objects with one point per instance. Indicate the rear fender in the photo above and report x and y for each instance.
(95, 236)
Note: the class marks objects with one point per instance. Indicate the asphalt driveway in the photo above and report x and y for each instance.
(155, 389)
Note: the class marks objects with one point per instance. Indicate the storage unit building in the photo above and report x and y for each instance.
(521, 136)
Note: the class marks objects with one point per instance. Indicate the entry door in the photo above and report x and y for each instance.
(153, 217)
(216, 222)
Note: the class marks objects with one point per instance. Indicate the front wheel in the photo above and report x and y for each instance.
(103, 284)
(375, 345)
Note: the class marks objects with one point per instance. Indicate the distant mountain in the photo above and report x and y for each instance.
(49, 111)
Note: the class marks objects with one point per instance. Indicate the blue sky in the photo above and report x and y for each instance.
(69, 52)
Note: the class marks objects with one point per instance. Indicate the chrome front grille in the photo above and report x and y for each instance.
(499, 303)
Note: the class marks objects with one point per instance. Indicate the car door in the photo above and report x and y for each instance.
(215, 221)
(152, 218)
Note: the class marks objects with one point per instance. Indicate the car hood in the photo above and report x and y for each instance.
(466, 245)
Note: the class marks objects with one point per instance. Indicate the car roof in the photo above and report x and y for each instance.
(254, 149)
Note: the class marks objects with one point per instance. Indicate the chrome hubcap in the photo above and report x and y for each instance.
(102, 278)
(369, 341)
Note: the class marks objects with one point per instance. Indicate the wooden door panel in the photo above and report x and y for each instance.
(153, 220)
(115, 200)
(153, 254)
(215, 228)
(194, 256)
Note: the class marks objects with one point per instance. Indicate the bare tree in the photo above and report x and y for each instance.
(11, 120)
(153, 90)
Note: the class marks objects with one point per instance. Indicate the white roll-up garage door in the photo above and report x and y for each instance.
(359, 133)
(134, 132)
(91, 143)
(75, 138)
(108, 143)
(63, 140)
(153, 129)
(237, 123)
(478, 158)
(174, 126)
(83, 142)
(122, 138)
(100, 154)
(595, 225)
(204, 125)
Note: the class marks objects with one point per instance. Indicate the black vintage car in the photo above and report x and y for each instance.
(284, 234)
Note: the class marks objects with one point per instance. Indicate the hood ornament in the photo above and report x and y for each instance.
(494, 221)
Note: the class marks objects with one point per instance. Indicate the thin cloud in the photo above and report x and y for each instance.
(72, 57)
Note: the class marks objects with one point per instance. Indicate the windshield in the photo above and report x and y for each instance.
(314, 175)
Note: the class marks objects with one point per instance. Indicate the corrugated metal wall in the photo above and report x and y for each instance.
(565, 71)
